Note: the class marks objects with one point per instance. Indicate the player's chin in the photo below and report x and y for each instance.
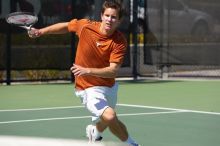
(108, 27)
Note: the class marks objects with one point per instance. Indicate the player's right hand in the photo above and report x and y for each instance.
(34, 33)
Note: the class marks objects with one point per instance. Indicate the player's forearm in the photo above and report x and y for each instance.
(106, 72)
(59, 28)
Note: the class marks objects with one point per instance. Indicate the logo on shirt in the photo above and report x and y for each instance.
(98, 44)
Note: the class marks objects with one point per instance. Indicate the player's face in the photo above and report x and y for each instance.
(110, 19)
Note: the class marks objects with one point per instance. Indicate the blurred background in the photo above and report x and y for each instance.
(167, 39)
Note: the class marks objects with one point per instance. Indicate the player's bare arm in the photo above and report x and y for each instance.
(106, 72)
(59, 28)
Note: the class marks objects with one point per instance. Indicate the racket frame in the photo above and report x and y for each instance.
(24, 25)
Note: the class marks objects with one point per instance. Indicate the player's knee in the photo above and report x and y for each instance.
(109, 116)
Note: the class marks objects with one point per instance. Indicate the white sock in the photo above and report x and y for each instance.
(130, 140)
(95, 132)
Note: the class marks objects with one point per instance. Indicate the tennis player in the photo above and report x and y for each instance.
(100, 52)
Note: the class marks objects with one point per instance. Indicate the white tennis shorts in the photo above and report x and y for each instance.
(96, 99)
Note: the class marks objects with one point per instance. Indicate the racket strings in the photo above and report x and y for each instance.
(22, 19)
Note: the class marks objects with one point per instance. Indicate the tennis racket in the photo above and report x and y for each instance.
(22, 19)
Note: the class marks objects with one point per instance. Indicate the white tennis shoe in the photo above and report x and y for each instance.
(93, 134)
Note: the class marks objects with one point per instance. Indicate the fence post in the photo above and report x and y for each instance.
(8, 57)
(134, 37)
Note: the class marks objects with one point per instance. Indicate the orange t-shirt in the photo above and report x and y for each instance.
(95, 50)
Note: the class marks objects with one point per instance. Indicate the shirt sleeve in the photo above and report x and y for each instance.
(119, 51)
(77, 25)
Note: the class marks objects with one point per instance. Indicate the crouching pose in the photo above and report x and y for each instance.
(100, 52)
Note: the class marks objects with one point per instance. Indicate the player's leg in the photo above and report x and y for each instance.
(100, 101)
(101, 126)
(107, 120)
(97, 100)
(91, 131)
(96, 104)
(115, 126)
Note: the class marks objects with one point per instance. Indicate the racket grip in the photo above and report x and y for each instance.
(33, 33)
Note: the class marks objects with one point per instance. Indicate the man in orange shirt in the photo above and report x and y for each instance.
(100, 52)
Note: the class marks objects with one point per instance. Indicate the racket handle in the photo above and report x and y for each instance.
(28, 28)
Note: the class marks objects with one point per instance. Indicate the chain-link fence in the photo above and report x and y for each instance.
(167, 38)
(181, 38)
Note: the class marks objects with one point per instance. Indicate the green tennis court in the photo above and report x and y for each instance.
(156, 112)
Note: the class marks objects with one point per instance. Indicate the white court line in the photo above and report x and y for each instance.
(172, 109)
(46, 119)
(85, 117)
(38, 109)
(153, 113)
(127, 105)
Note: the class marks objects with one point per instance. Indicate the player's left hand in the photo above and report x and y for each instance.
(78, 70)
